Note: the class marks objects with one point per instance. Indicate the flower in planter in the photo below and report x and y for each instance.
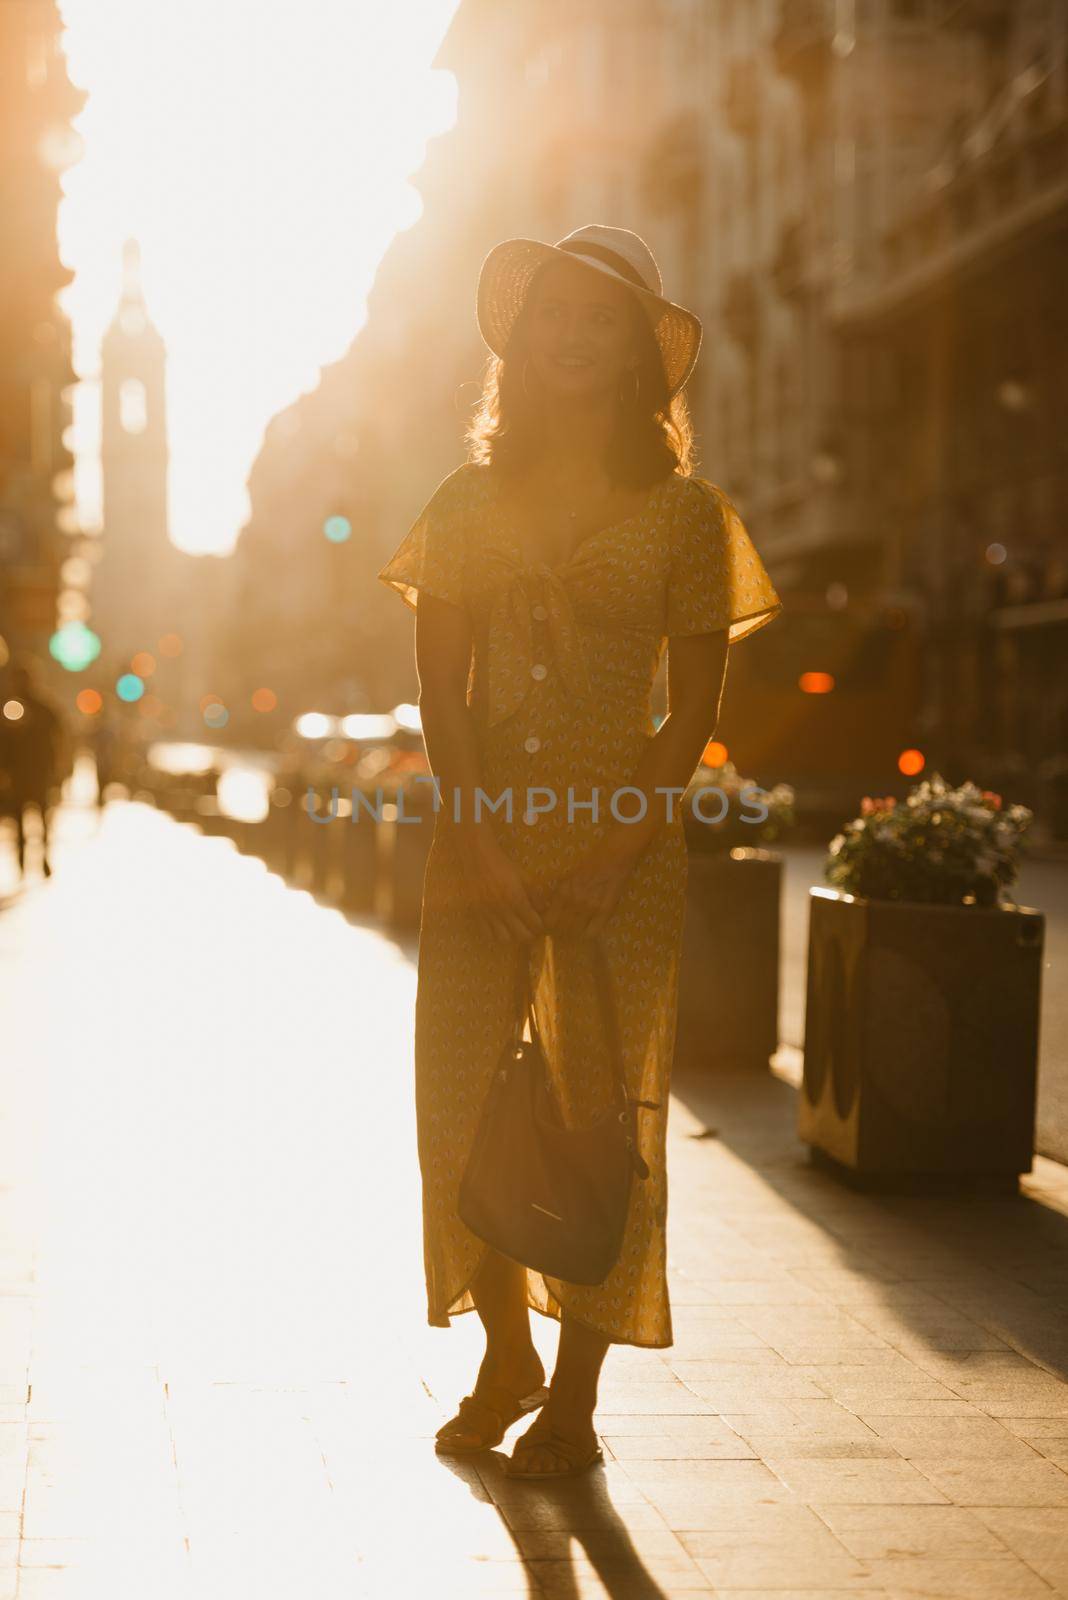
(741, 801)
(940, 845)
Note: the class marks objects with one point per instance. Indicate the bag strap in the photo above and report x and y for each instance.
(524, 1008)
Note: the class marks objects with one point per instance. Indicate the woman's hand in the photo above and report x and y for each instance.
(584, 898)
(505, 895)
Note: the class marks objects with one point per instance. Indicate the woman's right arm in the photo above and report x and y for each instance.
(501, 891)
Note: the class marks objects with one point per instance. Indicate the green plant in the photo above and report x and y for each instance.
(738, 799)
(941, 846)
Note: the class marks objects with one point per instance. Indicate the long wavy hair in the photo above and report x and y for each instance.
(653, 435)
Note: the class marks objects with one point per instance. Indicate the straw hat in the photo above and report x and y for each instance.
(507, 272)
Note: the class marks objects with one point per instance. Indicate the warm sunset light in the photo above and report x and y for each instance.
(262, 167)
(715, 754)
(815, 683)
(911, 762)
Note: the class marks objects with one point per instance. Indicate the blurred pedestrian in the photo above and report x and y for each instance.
(547, 573)
(105, 741)
(34, 755)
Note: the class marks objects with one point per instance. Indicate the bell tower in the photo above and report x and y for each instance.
(132, 585)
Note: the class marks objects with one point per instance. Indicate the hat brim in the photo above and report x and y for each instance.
(509, 269)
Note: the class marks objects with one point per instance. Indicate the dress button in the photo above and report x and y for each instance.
(532, 744)
(539, 670)
(540, 613)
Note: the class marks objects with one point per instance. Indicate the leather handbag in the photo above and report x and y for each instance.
(549, 1196)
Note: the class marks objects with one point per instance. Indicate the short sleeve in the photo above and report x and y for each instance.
(716, 579)
(432, 555)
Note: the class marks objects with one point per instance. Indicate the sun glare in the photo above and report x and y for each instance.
(261, 157)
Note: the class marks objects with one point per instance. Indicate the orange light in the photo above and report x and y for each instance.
(88, 702)
(207, 700)
(910, 762)
(715, 754)
(143, 664)
(170, 644)
(815, 683)
(264, 700)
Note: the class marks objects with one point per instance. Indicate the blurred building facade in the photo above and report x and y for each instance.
(37, 103)
(864, 201)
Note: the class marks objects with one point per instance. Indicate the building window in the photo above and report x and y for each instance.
(133, 407)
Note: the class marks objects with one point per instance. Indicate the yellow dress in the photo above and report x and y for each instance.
(560, 691)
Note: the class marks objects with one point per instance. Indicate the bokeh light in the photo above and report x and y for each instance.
(88, 701)
(911, 762)
(75, 646)
(264, 700)
(337, 529)
(143, 664)
(129, 687)
(216, 715)
(816, 682)
(170, 644)
(715, 754)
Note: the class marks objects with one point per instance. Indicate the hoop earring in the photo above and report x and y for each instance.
(637, 389)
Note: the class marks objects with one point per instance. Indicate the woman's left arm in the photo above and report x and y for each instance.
(585, 898)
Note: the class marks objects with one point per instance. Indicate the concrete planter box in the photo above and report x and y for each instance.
(729, 973)
(921, 1041)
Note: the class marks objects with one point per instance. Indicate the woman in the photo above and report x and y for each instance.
(547, 573)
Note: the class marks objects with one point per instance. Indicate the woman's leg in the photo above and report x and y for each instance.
(499, 1291)
(511, 1361)
(572, 1395)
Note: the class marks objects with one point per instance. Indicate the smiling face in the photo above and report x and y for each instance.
(579, 332)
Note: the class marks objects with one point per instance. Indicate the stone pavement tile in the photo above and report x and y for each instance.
(959, 1438)
(802, 1419)
(910, 1406)
(662, 1447)
(645, 1576)
(54, 1552)
(734, 1366)
(742, 1567)
(612, 1542)
(884, 1531)
(773, 1291)
(403, 1572)
(1047, 1435)
(839, 1352)
(724, 1344)
(683, 1491)
(675, 1425)
(799, 1594)
(735, 1394)
(1037, 1534)
(1020, 1398)
(653, 1399)
(855, 1482)
(858, 1386)
(998, 1483)
(959, 1577)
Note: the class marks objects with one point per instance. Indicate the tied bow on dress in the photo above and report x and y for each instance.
(512, 651)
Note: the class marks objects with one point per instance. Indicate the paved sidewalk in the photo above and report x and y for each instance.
(216, 1379)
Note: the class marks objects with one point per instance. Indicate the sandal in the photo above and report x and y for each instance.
(489, 1413)
(575, 1461)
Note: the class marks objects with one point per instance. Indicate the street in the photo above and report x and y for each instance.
(216, 1375)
